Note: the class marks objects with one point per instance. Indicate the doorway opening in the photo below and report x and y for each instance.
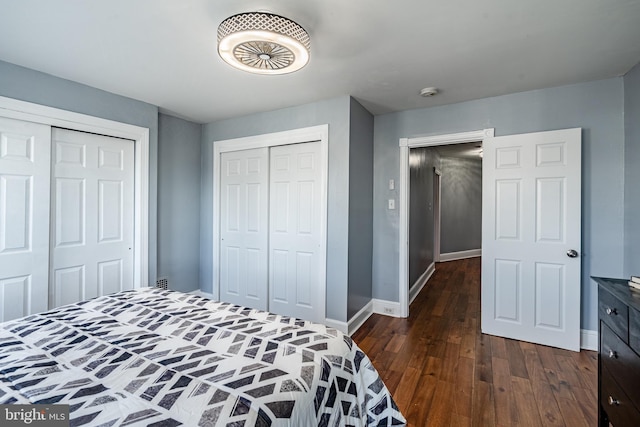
(414, 156)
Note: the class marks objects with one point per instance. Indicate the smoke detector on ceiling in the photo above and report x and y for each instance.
(428, 91)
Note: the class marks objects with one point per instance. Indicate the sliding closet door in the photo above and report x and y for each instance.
(244, 195)
(92, 215)
(295, 286)
(24, 218)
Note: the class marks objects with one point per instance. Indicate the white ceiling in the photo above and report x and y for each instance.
(382, 52)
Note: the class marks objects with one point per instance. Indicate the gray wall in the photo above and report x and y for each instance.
(335, 112)
(597, 107)
(44, 89)
(632, 172)
(360, 207)
(461, 204)
(421, 163)
(179, 202)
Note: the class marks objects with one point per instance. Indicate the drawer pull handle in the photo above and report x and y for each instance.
(613, 354)
(611, 311)
(613, 401)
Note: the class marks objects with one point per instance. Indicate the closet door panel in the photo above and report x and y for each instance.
(295, 231)
(244, 194)
(24, 217)
(92, 205)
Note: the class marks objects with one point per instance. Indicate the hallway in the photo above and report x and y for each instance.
(443, 372)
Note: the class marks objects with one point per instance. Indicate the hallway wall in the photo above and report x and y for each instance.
(461, 204)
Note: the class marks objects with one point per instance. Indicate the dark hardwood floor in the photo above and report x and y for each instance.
(443, 372)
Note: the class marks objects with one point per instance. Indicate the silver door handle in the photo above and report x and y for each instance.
(572, 253)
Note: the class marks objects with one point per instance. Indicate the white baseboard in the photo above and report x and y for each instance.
(359, 318)
(422, 280)
(388, 308)
(452, 256)
(337, 324)
(589, 340)
(377, 306)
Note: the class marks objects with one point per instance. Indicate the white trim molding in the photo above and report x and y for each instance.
(422, 280)
(359, 318)
(386, 308)
(309, 134)
(589, 340)
(403, 208)
(452, 256)
(21, 110)
(337, 324)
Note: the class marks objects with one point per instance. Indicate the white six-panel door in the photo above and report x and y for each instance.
(295, 204)
(244, 223)
(531, 224)
(24, 218)
(91, 216)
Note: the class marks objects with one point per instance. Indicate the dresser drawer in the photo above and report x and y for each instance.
(614, 313)
(621, 362)
(634, 329)
(617, 404)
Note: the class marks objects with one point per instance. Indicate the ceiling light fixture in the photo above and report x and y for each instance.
(263, 43)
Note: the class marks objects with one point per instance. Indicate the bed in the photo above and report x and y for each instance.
(163, 358)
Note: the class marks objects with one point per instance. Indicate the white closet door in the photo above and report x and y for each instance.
(244, 195)
(295, 286)
(24, 217)
(92, 216)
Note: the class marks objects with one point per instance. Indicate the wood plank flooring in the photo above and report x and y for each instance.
(443, 372)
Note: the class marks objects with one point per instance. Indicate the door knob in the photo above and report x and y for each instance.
(572, 253)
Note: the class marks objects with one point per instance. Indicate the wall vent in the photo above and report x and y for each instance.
(162, 283)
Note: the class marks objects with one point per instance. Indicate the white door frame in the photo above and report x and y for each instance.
(403, 208)
(27, 111)
(295, 136)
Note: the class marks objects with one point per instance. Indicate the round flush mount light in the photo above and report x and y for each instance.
(263, 43)
(428, 91)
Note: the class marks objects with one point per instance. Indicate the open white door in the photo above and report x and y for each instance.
(531, 242)
(24, 218)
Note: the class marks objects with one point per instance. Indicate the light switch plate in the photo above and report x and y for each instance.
(392, 184)
(392, 203)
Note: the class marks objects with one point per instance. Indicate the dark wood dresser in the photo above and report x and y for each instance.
(619, 353)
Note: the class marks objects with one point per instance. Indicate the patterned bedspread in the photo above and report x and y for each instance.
(164, 358)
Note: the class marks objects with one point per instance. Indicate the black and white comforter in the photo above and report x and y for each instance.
(163, 358)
